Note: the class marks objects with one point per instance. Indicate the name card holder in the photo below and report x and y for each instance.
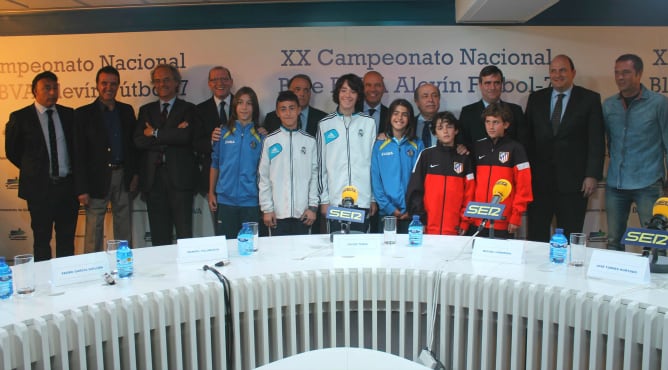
(210, 248)
(498, 250)
(619, 266)
(78, 269)
(354, 245)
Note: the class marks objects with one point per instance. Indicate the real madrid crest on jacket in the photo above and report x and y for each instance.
(236, 156)
(505, 159)
(440, 187)
(344, 156)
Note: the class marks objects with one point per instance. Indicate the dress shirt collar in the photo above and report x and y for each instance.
(171, 104)
(41, 109)
(566, 93)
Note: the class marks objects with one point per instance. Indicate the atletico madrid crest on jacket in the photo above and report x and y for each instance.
(504, 156)
(458, 167)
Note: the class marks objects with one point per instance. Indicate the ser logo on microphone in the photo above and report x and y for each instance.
(654, 235)
(484, 210)
(493, 210)
(347, 212)
(646, 238)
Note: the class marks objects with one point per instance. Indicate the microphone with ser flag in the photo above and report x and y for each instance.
(347, 212)
(653, 237)
(500, 191)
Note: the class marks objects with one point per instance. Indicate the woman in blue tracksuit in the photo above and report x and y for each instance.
(392, 162)
(233, 193)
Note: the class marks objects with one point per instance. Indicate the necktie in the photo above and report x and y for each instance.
(372, 111)
(556, 113)
(426, 134)
(164, 113)
(53, 145)
(222, 114)
(302, 118)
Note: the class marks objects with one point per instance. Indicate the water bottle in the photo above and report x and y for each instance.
(558, 247)
(415, 232)
(124, 260)
(245, 240)
(6, 283)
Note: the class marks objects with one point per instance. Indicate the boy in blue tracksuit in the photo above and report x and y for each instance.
(233, 193)
(392, 162)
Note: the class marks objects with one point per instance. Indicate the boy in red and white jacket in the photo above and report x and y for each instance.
(500, 157)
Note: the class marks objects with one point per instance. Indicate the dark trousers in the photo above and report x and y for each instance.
(570, 209)
(59, 212)
(168, 209)
(290, 226)
(230, 218)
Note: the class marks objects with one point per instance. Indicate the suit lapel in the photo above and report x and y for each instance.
(37, 126)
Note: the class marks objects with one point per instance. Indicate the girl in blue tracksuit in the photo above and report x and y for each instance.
(392, 162)
(233, 193)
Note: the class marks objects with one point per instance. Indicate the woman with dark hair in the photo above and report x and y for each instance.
(345, 141)
(392, 162)
(233, 193)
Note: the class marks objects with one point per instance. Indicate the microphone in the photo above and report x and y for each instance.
(349, 196)
(659, 219)
(500, 191)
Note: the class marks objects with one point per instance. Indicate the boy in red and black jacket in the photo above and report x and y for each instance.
(442, 182)
(500, 157)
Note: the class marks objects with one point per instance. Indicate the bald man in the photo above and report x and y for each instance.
(565, 145)
(374, 89)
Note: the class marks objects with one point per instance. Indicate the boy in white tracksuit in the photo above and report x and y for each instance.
(345, 142)
(288, 173)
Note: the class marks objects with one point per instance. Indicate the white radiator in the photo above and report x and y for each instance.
(481, 323)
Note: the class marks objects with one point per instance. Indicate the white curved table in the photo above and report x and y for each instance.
(343, 359)
(294, 297)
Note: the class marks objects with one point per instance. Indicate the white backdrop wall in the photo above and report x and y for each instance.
(450, 56)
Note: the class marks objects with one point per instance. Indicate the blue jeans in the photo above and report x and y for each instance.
(618, 204)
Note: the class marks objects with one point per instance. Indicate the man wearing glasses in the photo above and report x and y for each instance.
(214, 113)
(167, 133)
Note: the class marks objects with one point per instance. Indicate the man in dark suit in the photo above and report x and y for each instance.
(39, 141)
(214, 112)
(565, 145)
(167, 131)
(308, 119)
(106, 160)
(374, 88)
(490, 82)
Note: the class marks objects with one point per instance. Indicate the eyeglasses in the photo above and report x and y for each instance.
(163, 81)
(220, 79)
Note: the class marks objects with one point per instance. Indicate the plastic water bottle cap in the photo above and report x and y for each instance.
(559, 230)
